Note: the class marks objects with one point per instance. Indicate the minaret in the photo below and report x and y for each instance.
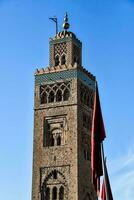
(63, 107)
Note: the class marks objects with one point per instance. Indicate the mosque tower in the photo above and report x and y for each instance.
(63, 108)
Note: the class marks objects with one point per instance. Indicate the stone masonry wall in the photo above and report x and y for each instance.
(64, 156)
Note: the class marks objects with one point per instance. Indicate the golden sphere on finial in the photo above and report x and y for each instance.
(66, 25)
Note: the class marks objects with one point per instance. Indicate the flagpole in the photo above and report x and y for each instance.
(54, 19)
(103, 167)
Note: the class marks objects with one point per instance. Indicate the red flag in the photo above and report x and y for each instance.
(98, 135)
(103, 191)
(106, 192)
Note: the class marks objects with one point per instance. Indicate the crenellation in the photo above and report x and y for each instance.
(63, 106)
(63, 35)
(65, 67)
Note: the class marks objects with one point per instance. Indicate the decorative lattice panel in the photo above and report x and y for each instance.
(76, 51)
(60, 48)
(55, 92)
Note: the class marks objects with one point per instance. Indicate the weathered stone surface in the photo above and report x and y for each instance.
(62, 162)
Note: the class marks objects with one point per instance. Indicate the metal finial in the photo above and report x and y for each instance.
(66, 24)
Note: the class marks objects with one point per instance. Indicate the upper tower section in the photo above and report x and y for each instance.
(64, 72)
(65, 48)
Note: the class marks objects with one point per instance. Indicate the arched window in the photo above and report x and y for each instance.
(66, 94)
(42, 194)
(59, 140)
(47, 193)
(63, 60)
(57, 61)
(59, 95)
(52, 141)
(61, 193)
(44, 98)
(54, 193)
(51, 97)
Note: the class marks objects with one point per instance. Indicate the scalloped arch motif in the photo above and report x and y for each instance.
(55, 92)
(57, 189)
(51, 175)
(86, 96)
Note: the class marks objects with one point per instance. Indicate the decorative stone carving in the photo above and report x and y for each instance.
(60, 48)
(55, 131)
(55, 178)
(55, 92)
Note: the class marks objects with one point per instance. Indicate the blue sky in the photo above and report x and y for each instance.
(106, 29)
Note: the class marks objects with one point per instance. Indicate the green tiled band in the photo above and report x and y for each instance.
(63, 75)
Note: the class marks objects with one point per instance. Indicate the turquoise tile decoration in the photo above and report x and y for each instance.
(63, 75)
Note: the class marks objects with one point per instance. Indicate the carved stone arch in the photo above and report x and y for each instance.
(54, 92)
(65, 85)
(68, 85)
(63, 181)
(59, 140)
(48, 88)
(47, 95)
(56, 131)
(49, 180)
(51, 96)
(56, 128)
(66, 94)
(44, 97)
(62, 86)
(61, 193)
(42, 90)
(57, 134)
(57, 59)
(47, 193)
(63, 59)
(62, 177)
(55, 87)
(59, 95)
